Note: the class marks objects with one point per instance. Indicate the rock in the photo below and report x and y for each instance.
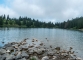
(8, 51)
(31, 51)
(8, 45)
(18, 56)
(78, 58)
(54, 57)
(22, 59)
(24, 54)
(2, 51)
(45, 58)
(2, 58)
(21, 51)
(24, 47)
(7, 56)
(16, 46)
(57, 48)
(10, 57)
(51, 53)
(40, 51)
(9, 48)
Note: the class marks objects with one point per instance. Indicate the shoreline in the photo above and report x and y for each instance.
(80, 29)
(24, 51)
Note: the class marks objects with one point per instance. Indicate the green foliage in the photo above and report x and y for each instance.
(32, 58)
(1, 21)
(7, 17)
(76, 23)
(23, 22)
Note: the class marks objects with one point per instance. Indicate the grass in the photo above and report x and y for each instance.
(33, 58)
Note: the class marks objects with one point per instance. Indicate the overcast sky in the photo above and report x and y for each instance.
(43, 10)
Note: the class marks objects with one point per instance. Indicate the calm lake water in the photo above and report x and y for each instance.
(57, 37)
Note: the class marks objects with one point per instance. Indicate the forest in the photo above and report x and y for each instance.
(23, 22)
(76, 23)
(6, 21)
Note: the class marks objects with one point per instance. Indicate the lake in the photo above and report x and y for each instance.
(57, 37)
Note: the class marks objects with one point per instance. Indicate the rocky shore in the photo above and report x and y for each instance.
(80, 29)
(24, 51)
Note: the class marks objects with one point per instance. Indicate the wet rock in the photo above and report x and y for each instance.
(50, 53)
(16, 46)
(2, 51)
(45, 58)
(58, 48)
(2, 58)
(24, 47)
(78, 58)
(54, 58)
(31, 51)
(8, 45)
(40, 50)
(24, 54)
(10, 57)
(9, 48)
(18, 55)
(23, 59)
(7, 56)
(8, 51)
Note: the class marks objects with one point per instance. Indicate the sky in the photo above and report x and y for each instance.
(43, 10)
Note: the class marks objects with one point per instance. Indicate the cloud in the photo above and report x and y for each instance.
(44, 10)
(7, 11)
(23, 8)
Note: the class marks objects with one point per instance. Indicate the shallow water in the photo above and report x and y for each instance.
(57, 37)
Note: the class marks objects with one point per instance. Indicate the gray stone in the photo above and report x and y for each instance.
(45, 58)
(8, 45)
(54, 57)
(51, 53)
(8, 51)
(2, 58)
(10, 48)
(6, 55)
(22, 59)
(24, 54)
(78, 58)
(18, 56)
(40, 51)
(2, 51)
(10, 57)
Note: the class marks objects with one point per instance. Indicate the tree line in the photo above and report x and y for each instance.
(23, 22)
(6, 21)
(76, 23)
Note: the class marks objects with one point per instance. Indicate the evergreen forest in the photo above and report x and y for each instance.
(6, 21)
